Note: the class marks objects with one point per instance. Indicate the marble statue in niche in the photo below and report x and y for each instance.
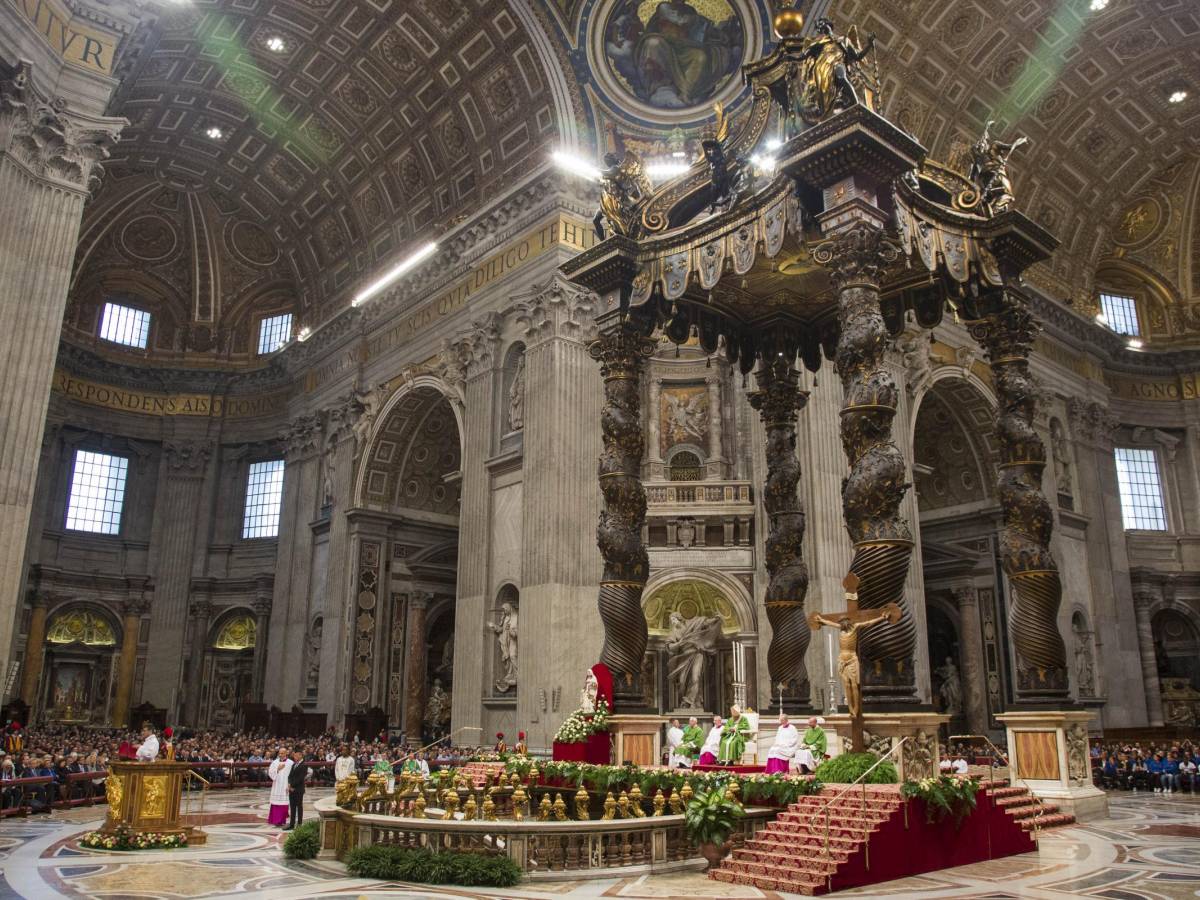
(950, 687)
(690, 646)
(506, 636)
(516, 397)
(312, 671)
(1061, 451)
(437, 706)
(1085, 670)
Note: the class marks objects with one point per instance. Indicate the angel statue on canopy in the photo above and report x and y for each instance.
(823, 83)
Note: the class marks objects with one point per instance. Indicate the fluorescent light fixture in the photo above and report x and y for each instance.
(570, 163)
(303, 334)
(1177, 97)
(1098, 5)
(215, 133)
(403, 266)
(1135, 344)
(666, 169)
(276, 44)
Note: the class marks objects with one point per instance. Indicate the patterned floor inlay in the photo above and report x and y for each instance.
(1148, 849)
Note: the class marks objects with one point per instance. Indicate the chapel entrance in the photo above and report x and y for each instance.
(79, 666)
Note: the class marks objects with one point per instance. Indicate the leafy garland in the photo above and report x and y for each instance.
(579, 726)
(944, 795)
(125, 838)
(773, 789)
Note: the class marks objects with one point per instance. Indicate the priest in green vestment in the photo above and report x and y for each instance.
(733, 739)
(693, 740)
(814, 738)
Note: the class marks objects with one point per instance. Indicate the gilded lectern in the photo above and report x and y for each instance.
(146, 798)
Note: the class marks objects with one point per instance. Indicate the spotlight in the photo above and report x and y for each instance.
(1134, 344)
(303, 334)
(666, 168)
(576, 166)
(774, 144)
(215, 133)
(405, 265)
(1101, 318)
(276, 44)
(1098, 5)
(1177, 96)
(765, 163)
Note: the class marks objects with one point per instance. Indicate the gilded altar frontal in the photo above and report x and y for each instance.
(444, 374)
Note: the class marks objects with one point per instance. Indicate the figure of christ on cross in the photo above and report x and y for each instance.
(849, 624)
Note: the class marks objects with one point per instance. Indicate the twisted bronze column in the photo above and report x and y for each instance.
(874, 489)
(622, 352)
(1006, 336)
(778, 399)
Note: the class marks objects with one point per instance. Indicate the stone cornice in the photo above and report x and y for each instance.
(87, 363)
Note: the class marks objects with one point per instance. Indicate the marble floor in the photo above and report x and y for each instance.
(1149, 848)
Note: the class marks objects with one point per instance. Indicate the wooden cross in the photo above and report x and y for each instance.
(850, 623)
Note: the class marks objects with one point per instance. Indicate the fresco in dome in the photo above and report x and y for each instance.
(674, 54)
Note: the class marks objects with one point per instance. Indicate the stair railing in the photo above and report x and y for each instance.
(997, 753)
(191, 775)
(858, 782)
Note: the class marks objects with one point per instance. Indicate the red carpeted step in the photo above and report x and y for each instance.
(1044, 823)
(805, 887)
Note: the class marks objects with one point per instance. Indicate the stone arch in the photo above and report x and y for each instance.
(743, 618)
(1176, 643)
(82, 635)
(58, 615)
(955, 448)
(423, 407)
(1150, 291)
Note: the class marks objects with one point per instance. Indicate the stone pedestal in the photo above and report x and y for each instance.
(146, 797)
(1048, 753)
(918, 758)
(637, 739)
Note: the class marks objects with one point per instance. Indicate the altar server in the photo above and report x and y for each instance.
(783, 751)
(278, 772)
(674, 739)
(712, 744)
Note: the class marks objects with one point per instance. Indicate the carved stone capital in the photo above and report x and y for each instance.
(419, 600)
(474, 351)
(187, 457)
(1091, 421)
(262, 606)
(135, 607)
(301, 437)
(965, 595)
(622, 353)
(201, 610)
(858, 255)
(341, 416)
(1144, 600)
(559, 309)
(47, 139)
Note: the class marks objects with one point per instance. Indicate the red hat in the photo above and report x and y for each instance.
(520, 735)
(167, 732)
(499, 735)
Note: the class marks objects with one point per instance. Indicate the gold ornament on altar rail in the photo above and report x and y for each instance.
(623, 805)
(660, 803)
(451, 803)
(560, 808)
(518, 802)
(489, 809)
(544, 809)
(635, 802)
(418, 807)
(345, 792)
(470, 808)
(581, 805)
(676, 803)
(610, 807)
(686, 794)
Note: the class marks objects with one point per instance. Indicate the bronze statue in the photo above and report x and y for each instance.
(823, 81)
(726, 185)
(849, 624)
(623, 186)
(989, 171)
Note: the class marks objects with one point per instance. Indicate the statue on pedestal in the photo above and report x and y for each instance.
(989, 171)
(950, 688)
(823, 83)
(506, 637)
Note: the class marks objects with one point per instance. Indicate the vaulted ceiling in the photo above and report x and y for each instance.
(348, 130)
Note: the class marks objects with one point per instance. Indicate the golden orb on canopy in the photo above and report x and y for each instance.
(789, 22)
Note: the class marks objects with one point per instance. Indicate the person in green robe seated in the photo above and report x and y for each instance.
(733, 739)
(814, 738)
(693, 740)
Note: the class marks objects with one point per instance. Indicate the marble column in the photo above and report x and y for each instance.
(1143, 602)
(201, 614)
(262, 626)
(974, 672)
(182, 473)
(35, 648)
(132, 611)
(49, 155)
(414, 668)
(716, 455)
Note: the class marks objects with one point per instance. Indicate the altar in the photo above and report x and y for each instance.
(146, 797)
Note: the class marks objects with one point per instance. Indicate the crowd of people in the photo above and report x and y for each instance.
(1162, 769)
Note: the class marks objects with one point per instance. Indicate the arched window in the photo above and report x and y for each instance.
(78, 626)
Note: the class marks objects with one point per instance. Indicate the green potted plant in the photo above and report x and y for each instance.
(709, 819)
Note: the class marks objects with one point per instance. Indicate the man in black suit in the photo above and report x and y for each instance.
(296, 779)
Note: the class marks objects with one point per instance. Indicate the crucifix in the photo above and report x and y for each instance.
(849, 624)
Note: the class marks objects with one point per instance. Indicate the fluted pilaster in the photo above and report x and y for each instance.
(134, 608)
(974, 671)
(1143, 603)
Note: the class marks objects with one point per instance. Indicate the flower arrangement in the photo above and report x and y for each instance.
(944, 795)
(125, 838)
(579, 726)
